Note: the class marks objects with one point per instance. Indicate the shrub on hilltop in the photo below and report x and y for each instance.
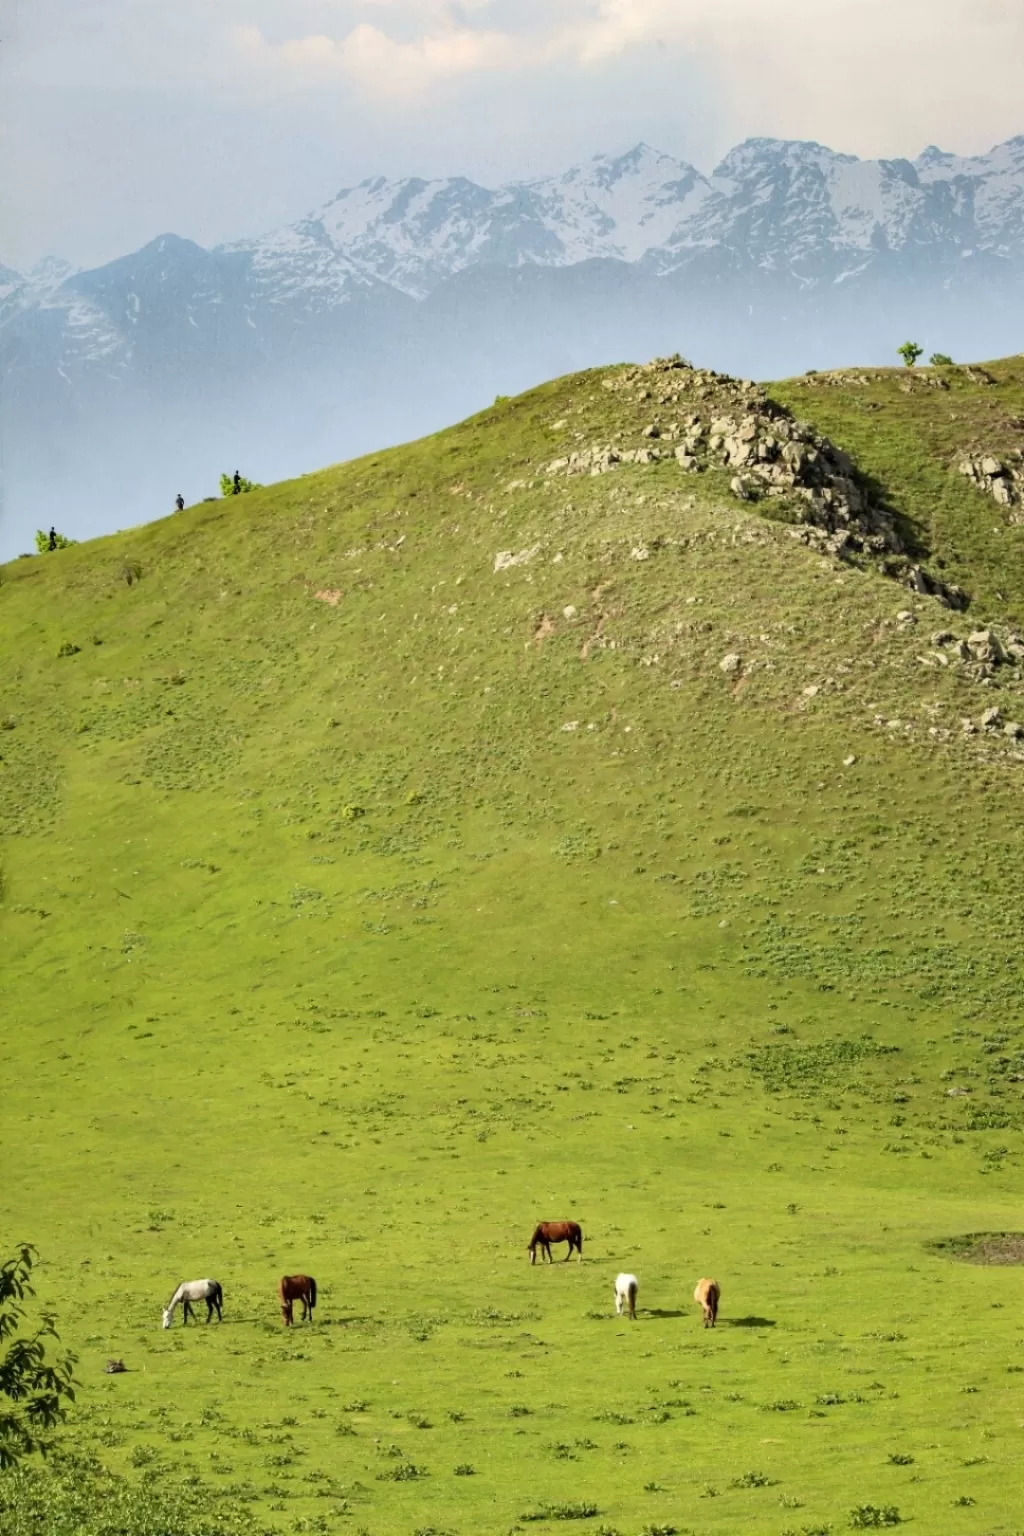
(236, 485)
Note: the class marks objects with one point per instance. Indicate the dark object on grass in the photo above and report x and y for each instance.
(115, 1367)
(982, 1247)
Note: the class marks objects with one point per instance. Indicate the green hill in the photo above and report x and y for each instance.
(584, 812)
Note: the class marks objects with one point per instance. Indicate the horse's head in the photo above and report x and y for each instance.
(168, 1316)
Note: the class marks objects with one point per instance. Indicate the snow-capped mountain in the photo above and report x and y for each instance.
(399, 304)
(795, 208)
(414, 234)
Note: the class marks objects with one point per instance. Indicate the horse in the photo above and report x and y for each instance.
(626, 1290)
(195, 1290)
(706, 1296)
(549, 1232)
(297, 1288)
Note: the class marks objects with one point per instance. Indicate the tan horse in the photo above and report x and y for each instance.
(706, 1296)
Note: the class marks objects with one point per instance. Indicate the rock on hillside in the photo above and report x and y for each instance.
(715, 421)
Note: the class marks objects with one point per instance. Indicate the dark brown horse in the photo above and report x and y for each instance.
(549, 1232)
(297, 1288)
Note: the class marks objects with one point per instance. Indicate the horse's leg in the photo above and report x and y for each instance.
(186, 1312)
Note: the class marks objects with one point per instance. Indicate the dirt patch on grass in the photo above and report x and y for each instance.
(982, 1247)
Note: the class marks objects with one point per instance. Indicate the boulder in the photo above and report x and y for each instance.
(984, 646)
(730, 664)
(992, 718)
(1013, 730)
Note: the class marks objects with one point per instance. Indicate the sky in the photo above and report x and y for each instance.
(123, 119)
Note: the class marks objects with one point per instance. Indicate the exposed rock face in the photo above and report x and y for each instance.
(982, 653)
(1000, 478)
(717, 422)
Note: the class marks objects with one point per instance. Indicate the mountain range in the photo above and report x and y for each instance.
(400, 303)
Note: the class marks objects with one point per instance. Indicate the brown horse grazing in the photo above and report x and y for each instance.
(549, 1232)
(706, 1296)
(297, 1288)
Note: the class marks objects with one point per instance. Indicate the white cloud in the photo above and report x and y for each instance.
(382, 64)
(874, 76)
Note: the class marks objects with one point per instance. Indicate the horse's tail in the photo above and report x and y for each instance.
(312, 1293)
(218, 1294)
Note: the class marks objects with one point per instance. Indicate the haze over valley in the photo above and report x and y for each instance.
(398, 306)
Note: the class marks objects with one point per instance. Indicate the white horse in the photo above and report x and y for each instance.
(626, 1289)
(195, 1290)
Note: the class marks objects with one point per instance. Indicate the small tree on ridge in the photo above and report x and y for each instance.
(910, 352)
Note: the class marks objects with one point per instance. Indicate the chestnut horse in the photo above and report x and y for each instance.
(297, 1288)
(706, 1296)
(549, 1232)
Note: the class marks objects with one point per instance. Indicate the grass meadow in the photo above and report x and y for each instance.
(367, 899)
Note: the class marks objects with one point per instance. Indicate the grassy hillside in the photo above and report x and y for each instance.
(452, 839)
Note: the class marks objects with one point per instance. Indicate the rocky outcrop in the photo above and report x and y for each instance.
(983, 652)
(1001, 478)
(714, 422)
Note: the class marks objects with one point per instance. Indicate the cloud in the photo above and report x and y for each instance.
(875, 76)
(382, 64)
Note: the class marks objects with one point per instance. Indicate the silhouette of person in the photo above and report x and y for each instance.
(53, 538)
(179, 502)
(236, 484)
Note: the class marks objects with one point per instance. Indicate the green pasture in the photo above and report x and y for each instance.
(367, 898)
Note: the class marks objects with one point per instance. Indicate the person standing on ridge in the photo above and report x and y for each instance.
(236, 484)
(179, 502)
(53, 538)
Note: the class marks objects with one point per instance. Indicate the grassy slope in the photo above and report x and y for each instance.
(326, 946)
